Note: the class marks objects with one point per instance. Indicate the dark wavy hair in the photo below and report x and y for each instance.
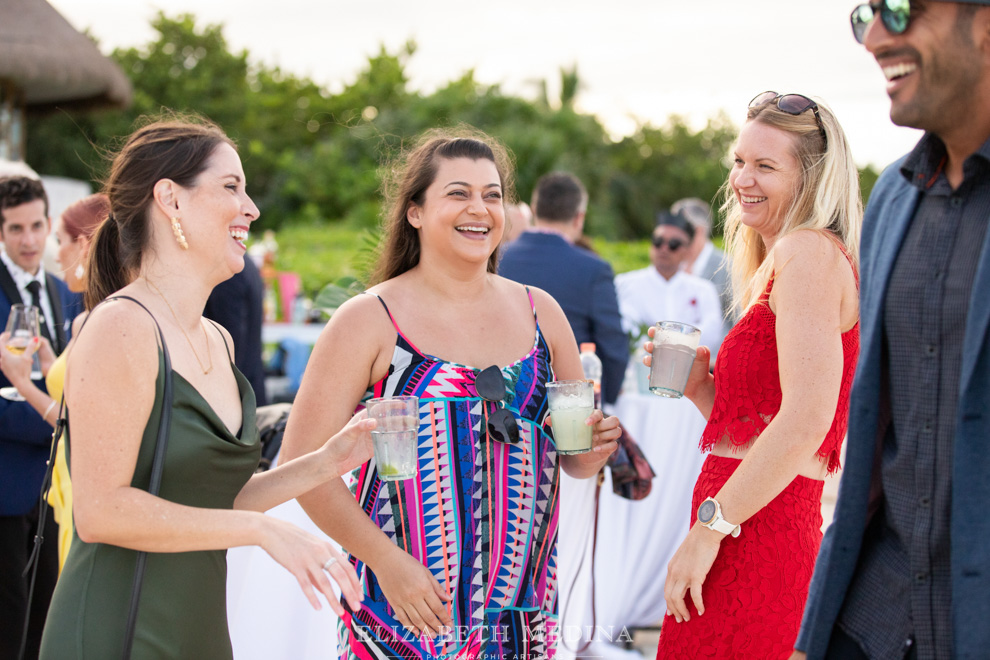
(176, 148)
(408, 178)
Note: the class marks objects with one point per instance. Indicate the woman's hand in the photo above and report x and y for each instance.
(700, 387)
(352, 446)
(306, 557)
(414, 594)
(688, 569)
(17, 368)
(605, 432)
(46, 355)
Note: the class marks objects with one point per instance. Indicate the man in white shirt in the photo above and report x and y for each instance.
(663, 291)
(703, 258)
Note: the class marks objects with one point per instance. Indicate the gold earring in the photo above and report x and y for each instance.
(179, 236)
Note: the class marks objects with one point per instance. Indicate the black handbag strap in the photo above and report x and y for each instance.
(154, 485)
(157, 468)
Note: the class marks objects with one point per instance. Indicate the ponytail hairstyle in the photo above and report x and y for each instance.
(828, 199)
(406, 182)
(176, 148)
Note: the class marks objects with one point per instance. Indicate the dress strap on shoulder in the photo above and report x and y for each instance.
(532, 303)
(223, 337)
(387, 311)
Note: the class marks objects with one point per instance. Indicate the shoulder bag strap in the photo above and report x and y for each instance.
(157, 467)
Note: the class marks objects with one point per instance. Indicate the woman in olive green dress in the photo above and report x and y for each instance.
(179, 216)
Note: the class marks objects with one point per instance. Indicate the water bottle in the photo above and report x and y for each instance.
(592, 367)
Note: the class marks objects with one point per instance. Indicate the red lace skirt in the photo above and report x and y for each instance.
(755, 592)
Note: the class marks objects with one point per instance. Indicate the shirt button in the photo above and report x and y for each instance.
(956, 201)
(925, 502)
(930, 349)
(920, 577)
(928, 427)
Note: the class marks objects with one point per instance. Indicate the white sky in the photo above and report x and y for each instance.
(640, 60)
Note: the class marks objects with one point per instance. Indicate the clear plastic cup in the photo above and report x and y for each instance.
(571, 402)
(674, 347)
(395, 435)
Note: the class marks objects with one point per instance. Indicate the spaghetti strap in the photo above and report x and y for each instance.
(390, 317)
(532, 304)
(217, 326)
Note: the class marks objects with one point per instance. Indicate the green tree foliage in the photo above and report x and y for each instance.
(313, 157)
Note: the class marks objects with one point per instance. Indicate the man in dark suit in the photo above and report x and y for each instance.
(25, 438)
(580, 281)
(903, 569)
(237, 305)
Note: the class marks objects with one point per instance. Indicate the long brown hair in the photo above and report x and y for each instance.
(174, 148)
(406, 181)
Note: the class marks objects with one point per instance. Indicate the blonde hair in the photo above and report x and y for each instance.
(827, 199)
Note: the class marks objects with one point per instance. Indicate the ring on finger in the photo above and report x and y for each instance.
(330, 562)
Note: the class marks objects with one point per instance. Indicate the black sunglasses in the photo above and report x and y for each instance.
(792, 104)
(674, 244)
(501, 425)
(894, 14)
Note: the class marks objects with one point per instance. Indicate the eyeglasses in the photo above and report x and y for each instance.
(792, 104)
(895, 15)
(501, 424)
(674, 244)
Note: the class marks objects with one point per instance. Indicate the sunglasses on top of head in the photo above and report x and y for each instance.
(792, 104)
(501, 424)
(894, 14)
(673, 244)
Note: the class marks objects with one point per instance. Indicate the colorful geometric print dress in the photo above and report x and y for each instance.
(481, 515)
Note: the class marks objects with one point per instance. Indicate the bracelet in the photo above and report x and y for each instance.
(50, 406)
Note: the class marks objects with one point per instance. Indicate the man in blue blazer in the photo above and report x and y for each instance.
(904, 569)
(580, 281)
(25, 438)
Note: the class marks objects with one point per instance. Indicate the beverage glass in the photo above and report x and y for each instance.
(571, 402)
(674, 347)
(395, 435)
(22, 325)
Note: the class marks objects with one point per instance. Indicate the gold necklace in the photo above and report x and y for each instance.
(209, 353)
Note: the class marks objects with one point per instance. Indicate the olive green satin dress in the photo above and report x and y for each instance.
(183, 611)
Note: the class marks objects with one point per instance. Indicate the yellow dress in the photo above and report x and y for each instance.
(60, 494)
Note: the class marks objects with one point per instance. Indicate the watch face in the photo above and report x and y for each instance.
(706, 512)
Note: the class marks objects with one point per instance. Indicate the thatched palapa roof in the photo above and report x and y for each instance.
(53, 64)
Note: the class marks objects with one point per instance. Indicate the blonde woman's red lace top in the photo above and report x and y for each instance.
(747, 383)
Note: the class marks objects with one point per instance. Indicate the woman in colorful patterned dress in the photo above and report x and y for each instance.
(778, 402)
(459, 561)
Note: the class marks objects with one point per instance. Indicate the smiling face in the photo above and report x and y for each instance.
(462, 213)
(216, 212)
(933, 68)
(765, 176)
(24, 229)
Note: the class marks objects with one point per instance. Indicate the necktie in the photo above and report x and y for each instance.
(34, 286)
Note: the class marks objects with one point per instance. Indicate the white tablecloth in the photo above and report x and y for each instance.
(637, 539)
(268, 615)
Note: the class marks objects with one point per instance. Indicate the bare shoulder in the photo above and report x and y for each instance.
(806, 248)
(117, 350)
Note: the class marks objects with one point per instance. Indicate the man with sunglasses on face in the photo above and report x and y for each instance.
(903, 569)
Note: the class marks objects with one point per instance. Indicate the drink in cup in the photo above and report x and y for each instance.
(571, 402)
(674, 347)
(395, 435)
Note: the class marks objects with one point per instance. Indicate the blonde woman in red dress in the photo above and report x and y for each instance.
(778, 401)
